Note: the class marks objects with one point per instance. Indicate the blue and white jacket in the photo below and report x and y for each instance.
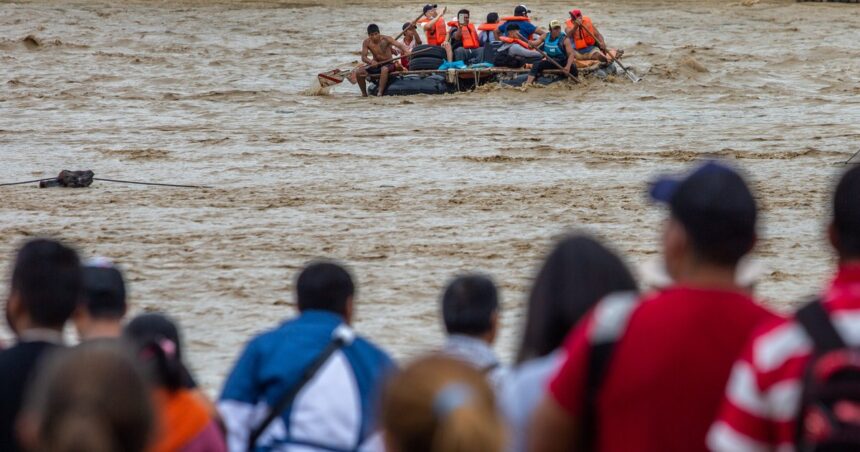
(334, 411)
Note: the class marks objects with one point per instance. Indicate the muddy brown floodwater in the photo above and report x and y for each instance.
(408, 191)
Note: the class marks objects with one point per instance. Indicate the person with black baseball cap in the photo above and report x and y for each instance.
(648, 373)
(433, 24)
(103, 306)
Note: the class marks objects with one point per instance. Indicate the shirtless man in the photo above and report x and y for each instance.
(380, 47)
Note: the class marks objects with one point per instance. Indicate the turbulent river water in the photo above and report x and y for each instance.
(408, 191)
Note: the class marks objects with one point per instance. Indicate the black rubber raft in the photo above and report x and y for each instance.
(444, 82)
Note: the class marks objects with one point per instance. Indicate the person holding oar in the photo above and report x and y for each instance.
(381, 48)
(411, 39)
(587, 40)
(515, 52)
(558, 51)
(588, 37)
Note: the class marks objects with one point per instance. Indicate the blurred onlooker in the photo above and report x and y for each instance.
(649, 374)
(803, 371)
(104, 301)
(470, 310)
(91, 398)
(440, 404)
(311, 382)
(578, 273)
(185, 418)
(45, 288)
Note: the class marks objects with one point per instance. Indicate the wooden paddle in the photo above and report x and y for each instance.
(551, 60)
(411, 24)
(337, 75)
(633, 78)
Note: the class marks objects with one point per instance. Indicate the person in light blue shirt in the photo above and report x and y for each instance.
(470, 311)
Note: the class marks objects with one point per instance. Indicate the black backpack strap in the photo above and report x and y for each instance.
(816, 322)
(610, 321)
(342, 335)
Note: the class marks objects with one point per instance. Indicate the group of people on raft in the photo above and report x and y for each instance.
(513, 40)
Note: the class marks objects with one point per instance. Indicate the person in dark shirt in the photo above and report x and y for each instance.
(46, 286)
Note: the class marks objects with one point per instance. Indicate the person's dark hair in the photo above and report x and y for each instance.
(718, 212)
(512, 27)
(405, 26)
(48, 280)
(492, 18)
(91, 398)
(574, 277)
(468, 305)
(463, 11)
(324, 286)
(372, 28)
(104, 292)
(846, 214)
(158, 346)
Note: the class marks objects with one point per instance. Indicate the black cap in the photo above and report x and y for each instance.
(716, 208)
(104, 289)
(521, 10)
(428, 7)
(492, 18)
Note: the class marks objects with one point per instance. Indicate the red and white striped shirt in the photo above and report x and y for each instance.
(763, 394)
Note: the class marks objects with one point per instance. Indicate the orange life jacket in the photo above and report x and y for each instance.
(437, 35)
(468, 34)
(509, 40)
(581, 38)
(489, 27)
(516, 19)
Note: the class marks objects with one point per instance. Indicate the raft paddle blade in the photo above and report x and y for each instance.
(330, 78)
(633, 78)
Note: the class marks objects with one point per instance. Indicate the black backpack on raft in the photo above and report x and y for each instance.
(505, 59)
(829, 414)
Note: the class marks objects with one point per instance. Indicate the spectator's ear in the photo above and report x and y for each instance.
(832, 236)
(676, 246)
(14, 308)
(494, 328)
(348, 311)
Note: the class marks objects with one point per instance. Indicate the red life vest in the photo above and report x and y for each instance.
(516, 19)
(489, 27)
(508, 40)
(581, 39)
(436, 35)
(468, 34)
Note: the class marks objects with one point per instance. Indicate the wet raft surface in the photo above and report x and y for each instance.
(408, 190)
